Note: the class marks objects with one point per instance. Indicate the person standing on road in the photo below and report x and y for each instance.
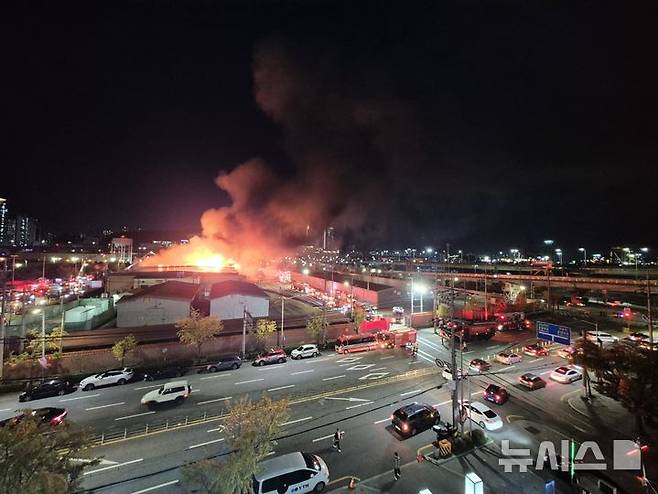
(396, 466)
(338, 435)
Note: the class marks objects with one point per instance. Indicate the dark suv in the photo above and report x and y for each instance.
(496, 394)
(52, 387)
(273, 356)
(224, 363)
(165, 373)
(414, 418)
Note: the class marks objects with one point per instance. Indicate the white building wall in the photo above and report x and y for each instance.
(146, 311)
(232, 306)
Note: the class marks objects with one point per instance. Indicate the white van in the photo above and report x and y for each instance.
(294, 472)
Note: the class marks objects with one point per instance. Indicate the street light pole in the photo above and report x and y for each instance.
(2, 321)
(649, 319)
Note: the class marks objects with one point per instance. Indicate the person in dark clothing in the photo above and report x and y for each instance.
(396, 466)
(338, 435)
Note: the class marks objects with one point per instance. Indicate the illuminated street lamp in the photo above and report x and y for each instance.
(584, 251)
(559, 254)
(43, 331)
(305, 271)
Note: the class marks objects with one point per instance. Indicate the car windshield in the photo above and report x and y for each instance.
(490, 414)
(300, 348)
(161, 390)
(400, 414)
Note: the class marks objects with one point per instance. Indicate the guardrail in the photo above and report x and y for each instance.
(168, 424)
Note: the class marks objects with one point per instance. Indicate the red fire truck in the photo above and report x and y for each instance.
(398, 337)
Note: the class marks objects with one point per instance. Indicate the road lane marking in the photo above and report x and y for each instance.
(263, 369)
(387, 357)
(295, 421)
(358, 367)
(110, 467)
(270, 453)
(105, 406)
(217, 429)
(323, 438)
(195, 391)
(136, 415)
(250, 381)
(545, 372)
(425, 356)
(149, 489)
(429, 343)
(149, 387)
(411, 392)
(215, 400)
(512, 366)
(332, 378)
(206, 443)
(536, 360)
(357, 406)
(442, 403)
(5, 409)
(382, 420)
(379, 368)
(282, 387)
(373, 375)
(466, 353)
(79, 398)
(346, 399)
(216, 376)
(302, 372)
(492, 347)
(349, 359)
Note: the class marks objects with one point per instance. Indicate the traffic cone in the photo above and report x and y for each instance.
(352, 484)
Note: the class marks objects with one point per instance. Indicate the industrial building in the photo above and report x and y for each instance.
(164, 303)
(132, 279)
(229, 300)
(337, 285)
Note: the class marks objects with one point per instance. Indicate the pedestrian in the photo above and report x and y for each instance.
(338, 435)
(396, 465)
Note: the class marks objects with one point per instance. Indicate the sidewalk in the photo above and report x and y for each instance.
(447, 477)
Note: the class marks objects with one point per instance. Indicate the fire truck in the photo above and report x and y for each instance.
(399, 337)
(467, 331)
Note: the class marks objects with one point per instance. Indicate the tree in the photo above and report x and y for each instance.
(250, 429)
(317, 326)
(264, 328)
(358, 316)
(197, 330)
(52, 342)
(123, 347)
(36, 458)
(626, 373)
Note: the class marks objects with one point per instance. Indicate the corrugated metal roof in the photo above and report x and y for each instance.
(173, 290)
(224, 288)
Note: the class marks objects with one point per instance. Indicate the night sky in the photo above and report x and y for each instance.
(485, 124)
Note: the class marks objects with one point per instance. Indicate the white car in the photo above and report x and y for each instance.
(175, 391)
(566, 375)
(114, 376)
(482, 415)
(508, 358)
(600, 336)
(294, 472)
(305, 351)
(447, 373)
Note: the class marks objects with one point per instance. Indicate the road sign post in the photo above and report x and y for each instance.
(553, 333)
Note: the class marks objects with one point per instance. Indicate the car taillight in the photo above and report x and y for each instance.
(405, 427)
(392, 417)
(58, 419)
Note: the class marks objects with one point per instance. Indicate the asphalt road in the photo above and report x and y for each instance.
(351, 392)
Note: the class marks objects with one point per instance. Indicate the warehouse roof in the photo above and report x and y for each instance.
(341, 278)
(172, 290)
(232, 287)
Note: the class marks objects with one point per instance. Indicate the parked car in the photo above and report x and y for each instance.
(166, 373)
(496, 394)
(46, 389)
(273, 356)
(600, 336)
(225, 363)
(305, 351)
(532, 381)
(414, 418)
(447, 373)
(49, 415)
(175, 391)
(508, 358)
(298, 472)
(566, 375)
(535, 350)
(479, 365)
(637, 337)
(481, 414)
(113, 376)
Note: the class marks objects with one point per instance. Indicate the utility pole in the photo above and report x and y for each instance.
(453, 352)
(244, 331)
(649, 319)
(486, 301)
(3, 332)
(283, 303)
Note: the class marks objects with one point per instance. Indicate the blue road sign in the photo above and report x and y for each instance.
(553, 333)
